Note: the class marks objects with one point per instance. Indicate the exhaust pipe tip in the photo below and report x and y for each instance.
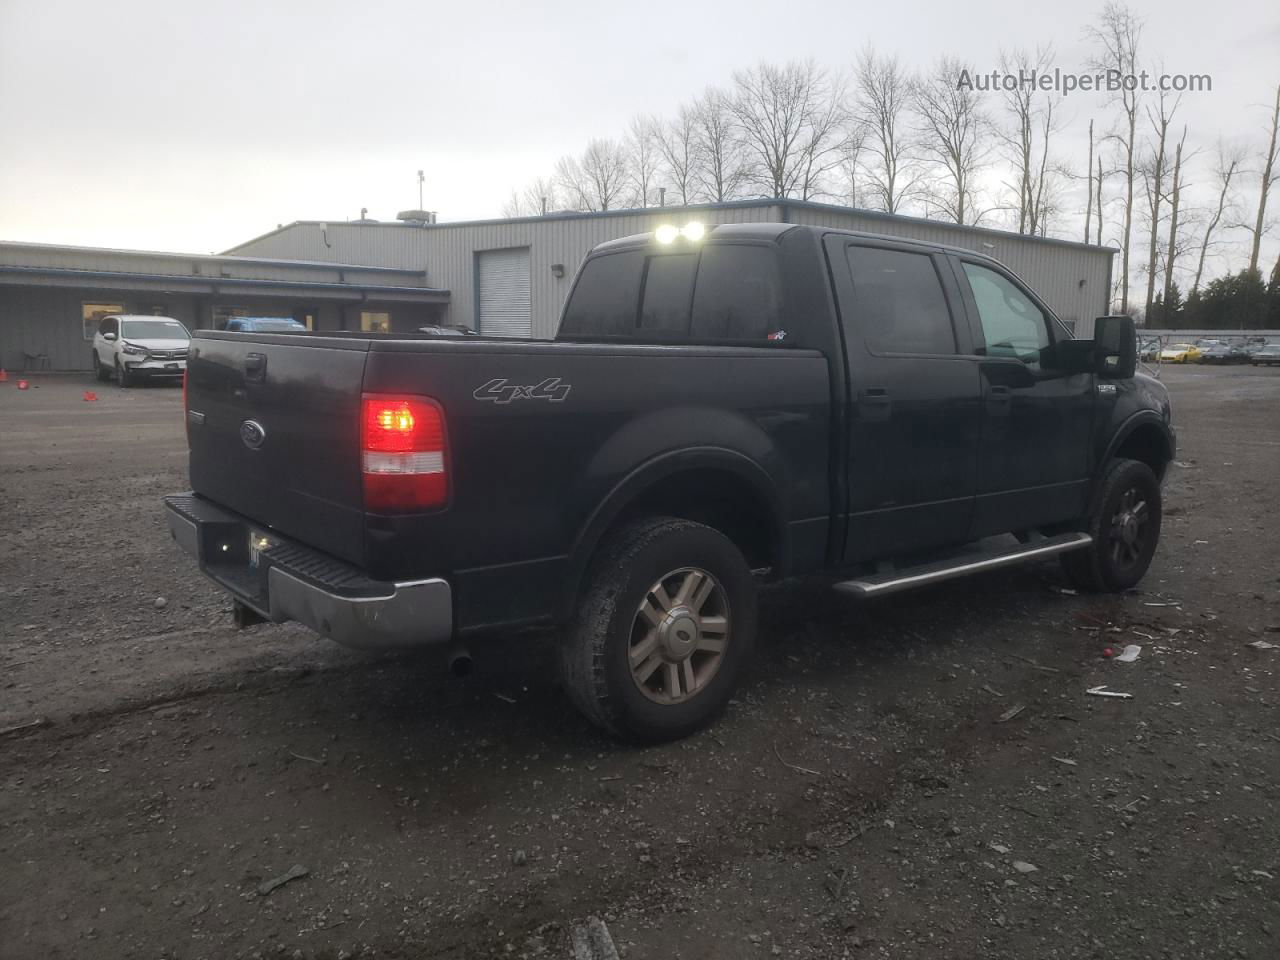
(460, 664)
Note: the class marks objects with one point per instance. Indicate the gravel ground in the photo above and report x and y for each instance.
(919, 777)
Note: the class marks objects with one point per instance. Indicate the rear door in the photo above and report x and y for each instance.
(915, 416)
(274, 427)
(1037, 420)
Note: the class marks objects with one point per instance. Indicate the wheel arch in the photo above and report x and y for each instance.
(719, 487)
(1144, 437)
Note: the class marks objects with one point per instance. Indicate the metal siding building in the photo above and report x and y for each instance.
(47, 294)
(1073, 278)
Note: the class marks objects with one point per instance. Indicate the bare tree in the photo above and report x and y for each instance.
(539, 197)
(598, 179)
(1160, 120)
(1229, 161)
(884, 98)
(1115, 38)
(1270, 174)
(678, 147)
(850, 161)
(826, 122)
(953, 134)
(789, 119)
(1175, 197)
(718, 145)
(1088, 194)
(643, 157)
(1033, 122)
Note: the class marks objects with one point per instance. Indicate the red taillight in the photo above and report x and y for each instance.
(403, 454)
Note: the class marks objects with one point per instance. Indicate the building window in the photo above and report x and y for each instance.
(91, 315)
(373, 322)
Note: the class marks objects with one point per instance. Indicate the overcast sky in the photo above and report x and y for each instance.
(165, 124)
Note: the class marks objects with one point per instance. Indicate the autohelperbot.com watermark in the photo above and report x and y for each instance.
(1067, 82)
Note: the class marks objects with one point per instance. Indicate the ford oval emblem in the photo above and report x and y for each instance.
(253, 434)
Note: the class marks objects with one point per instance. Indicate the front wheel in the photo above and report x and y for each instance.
(122, 375)
(1125, 526)
(665, 625)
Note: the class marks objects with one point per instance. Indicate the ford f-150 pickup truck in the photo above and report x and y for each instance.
(719, 407)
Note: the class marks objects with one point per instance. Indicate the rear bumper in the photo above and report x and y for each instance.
(285, 580)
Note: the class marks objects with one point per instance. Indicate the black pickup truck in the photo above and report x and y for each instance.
(763, 401)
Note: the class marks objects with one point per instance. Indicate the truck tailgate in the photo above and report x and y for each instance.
(274, 427)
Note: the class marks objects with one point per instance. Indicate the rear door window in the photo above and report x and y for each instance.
(900, 306)
(606, 297)
(739, 294)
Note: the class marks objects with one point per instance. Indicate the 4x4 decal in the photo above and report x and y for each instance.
(502, 391)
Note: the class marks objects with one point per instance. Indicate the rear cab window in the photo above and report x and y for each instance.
(721, 292)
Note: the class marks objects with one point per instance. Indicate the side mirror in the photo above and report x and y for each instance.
(1115, 347)
(109, 336)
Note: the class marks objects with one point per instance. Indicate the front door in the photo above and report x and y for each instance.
(1037, 420)
(915, 414)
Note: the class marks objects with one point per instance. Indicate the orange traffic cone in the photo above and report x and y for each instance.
(4, 375)
(23, 385)
(90, 396)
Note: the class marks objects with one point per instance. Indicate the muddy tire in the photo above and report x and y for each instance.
(102, 373)
(663, 629)
(1125, 526)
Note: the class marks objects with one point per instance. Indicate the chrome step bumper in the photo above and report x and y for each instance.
(289, 581)
(905, 579)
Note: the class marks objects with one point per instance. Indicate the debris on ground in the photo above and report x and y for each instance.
(296, 872)
(591, 941)
(160, 603)
(1069, 763)
(29, 725)
(1012, 712)
(1023, 867)
(1263, 645)
(1131, 653)
(1102, 691)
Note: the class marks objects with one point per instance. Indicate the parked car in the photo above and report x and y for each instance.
(264, 325)
(1180, 353)
(131, 347)
(1224, 353)
(1267, 356)
(1149, 349)
(755, 400)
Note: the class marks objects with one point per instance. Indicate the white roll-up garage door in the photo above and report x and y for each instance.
(502, 284)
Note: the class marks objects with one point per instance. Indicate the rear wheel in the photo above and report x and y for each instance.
(1125, 526)
(663, 629)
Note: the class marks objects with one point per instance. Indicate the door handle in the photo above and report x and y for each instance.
(998, 397)
(255, 367)
(874, 403)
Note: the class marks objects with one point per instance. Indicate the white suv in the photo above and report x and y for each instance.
(132, 346)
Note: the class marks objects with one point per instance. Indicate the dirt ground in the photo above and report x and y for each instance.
(864, 796)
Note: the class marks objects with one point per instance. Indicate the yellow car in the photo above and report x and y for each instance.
(1180, 353)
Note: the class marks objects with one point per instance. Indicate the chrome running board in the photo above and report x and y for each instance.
(908, 577)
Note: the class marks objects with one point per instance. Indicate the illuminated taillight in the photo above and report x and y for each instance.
(403, 454)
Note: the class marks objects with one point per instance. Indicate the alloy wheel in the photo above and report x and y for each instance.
(679, 636)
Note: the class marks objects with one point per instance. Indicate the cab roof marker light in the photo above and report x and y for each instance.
(666, 233)
(693, 231)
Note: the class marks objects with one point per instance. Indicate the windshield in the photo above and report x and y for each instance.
(154, 330)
